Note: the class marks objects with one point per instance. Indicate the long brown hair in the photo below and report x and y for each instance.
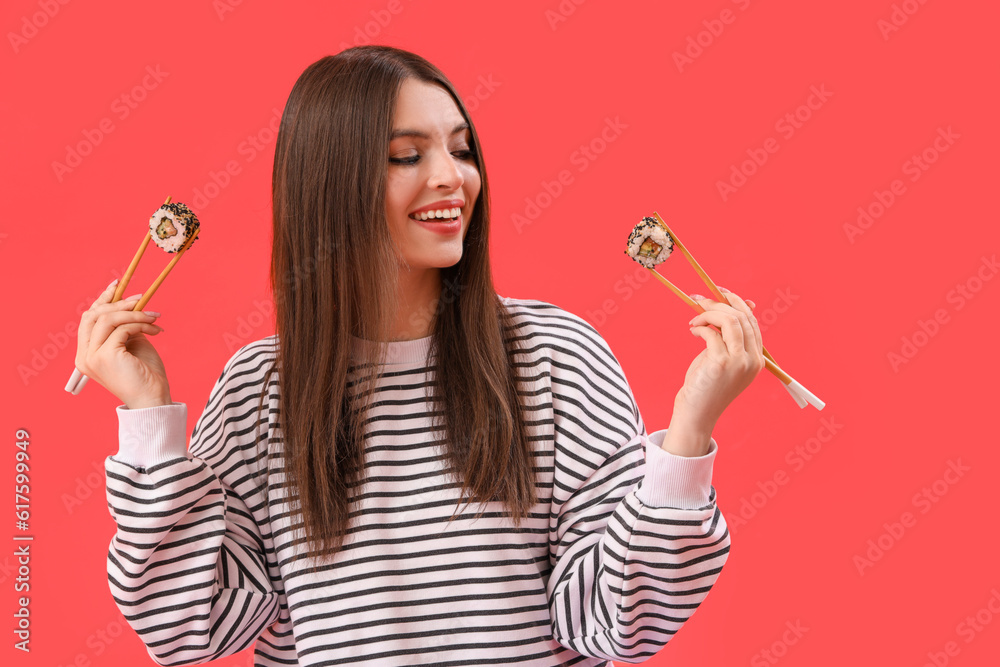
(333, 276)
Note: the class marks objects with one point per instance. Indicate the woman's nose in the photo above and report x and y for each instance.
(445, 173)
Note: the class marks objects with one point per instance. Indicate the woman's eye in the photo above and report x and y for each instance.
(413, 159)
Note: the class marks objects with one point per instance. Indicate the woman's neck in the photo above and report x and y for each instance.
(419, 293)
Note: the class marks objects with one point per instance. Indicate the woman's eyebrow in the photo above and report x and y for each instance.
(423, 135)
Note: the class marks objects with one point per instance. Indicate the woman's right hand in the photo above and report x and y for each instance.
(113, 351)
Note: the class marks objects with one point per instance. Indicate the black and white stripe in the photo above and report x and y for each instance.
(205, 561)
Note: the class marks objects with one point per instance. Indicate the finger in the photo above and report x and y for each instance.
(89, 318)
(714, 343)
(107, 294)
(728, 321)
(749, 302)
(107, 322)
(697, 298)
(754, 341)
(756, 332)
(751, 335)
(120, 337)
(744, 315)
(125, 304)
(759, 348)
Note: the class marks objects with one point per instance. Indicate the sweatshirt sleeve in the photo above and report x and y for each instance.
(186, 565)
(637, 540)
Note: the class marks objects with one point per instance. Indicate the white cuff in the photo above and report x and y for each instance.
(147, 436)
(683, 482)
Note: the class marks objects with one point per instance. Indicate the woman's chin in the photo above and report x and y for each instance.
(438, 260)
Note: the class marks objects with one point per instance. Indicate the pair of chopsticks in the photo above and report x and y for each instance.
(801, 395)
(78, 379)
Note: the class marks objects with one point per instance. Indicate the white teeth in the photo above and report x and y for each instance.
(440, 213)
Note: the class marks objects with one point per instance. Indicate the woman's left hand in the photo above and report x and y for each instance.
(727, 366)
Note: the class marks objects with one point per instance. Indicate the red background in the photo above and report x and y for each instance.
(836, 305)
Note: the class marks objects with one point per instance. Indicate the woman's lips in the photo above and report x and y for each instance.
(450, 227)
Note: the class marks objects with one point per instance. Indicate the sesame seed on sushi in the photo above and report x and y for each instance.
(649, 243)
(172, 225)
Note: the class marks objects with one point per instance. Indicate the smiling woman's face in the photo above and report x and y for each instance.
(430, 167)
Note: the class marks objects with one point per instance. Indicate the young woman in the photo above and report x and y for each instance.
(324, 509)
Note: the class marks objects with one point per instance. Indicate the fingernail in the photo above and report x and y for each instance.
(752, 304)
(112, 284)
(697, 297)
(723, 289)
(134, 296)
(151, 313)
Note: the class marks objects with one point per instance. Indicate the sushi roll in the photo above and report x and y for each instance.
(649, 243)
(172, 225)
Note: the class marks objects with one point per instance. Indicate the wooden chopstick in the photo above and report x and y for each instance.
(135, 262)
(768, 363)
(78, 379)
(163, 274)
(800, 394)
(701, 272)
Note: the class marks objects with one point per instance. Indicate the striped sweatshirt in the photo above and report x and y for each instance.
(624, 543)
